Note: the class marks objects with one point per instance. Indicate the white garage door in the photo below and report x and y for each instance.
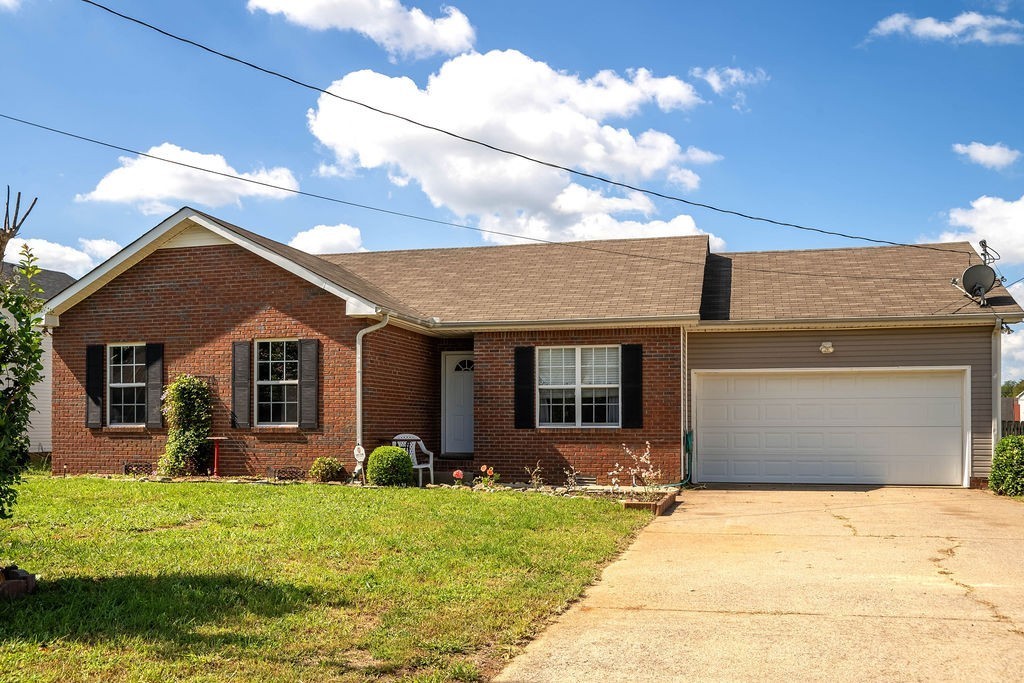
(877, 427)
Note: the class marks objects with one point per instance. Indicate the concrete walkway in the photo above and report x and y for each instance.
(803, 584)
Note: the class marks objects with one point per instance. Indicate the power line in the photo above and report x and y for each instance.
(462, 226)
(496, 148)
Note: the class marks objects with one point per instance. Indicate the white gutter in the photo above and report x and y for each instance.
(360, 453)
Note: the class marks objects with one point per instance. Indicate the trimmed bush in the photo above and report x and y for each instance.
(1007, 476)
(389, 466)
(326, 469)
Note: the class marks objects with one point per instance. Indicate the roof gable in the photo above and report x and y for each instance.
(361, 298)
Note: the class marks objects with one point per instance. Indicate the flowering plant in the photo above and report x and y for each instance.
(642, 472)
(457, 476)
(488, 479)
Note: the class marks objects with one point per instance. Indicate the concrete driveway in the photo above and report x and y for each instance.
(803, 584)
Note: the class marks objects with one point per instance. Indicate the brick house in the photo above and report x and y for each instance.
(832, 366)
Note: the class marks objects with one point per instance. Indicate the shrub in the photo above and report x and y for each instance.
(1007, 476)
(326, 469)
(389, 466)
(21, 348)
(188, 407)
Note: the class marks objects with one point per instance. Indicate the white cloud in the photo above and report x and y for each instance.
(10, 5)
(328, 239)
(684, 177)
(997, 156)
(396, 28)
(967, 27)
(150, 184)
(993, 219)
(510, 100)
(334, 171)
(696, 155)
(54, 256)
(731, 81)
(101, 249)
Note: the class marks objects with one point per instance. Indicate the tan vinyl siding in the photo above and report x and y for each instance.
(864, 348)
(39, 429)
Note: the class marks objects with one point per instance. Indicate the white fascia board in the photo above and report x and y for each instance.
(164, 232)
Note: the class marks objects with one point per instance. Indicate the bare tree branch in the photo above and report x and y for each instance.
(12, 226)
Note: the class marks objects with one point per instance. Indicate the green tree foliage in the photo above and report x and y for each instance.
(21, 367)
(1012, 387)
(188, 407)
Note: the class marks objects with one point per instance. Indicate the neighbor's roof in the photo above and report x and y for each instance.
(838, 284)
(52, 281)
(596, 280)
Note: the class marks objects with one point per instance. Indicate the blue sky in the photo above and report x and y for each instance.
(898, 120)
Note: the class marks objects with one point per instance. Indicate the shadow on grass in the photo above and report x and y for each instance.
(164, 609)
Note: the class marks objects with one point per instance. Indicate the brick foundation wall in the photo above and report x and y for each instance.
(592, 451)
(197, 301)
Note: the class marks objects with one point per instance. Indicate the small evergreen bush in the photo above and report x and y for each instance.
(326, 469)
(1007, 476)
(389, 466)
(188, 407)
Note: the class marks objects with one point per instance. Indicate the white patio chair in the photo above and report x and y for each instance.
(411, 442)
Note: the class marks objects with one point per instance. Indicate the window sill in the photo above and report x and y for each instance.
(582, 428)
(125, 430)
(276, 428)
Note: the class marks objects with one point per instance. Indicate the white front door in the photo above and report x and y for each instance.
(457, 403)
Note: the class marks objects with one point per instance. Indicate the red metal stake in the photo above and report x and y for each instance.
(216, 453)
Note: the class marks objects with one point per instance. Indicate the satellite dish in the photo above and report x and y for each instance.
(978, 279)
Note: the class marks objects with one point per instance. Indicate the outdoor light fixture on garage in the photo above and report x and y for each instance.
(826, 347)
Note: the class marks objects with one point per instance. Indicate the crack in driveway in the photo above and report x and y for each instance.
(970, 592)
(845, 520)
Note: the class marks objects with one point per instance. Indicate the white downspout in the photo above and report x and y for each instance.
(997, 378)
(359, 452)
(684, 405)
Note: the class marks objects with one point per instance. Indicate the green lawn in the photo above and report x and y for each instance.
(154, 582)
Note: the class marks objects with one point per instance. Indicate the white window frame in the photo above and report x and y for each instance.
(257, 383)
(122, 385)
(578, 387)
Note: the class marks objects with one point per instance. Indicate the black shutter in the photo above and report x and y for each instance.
(632, 386)
(94, 386)
(241, 384)
(309, 382)
(524, 387)
(154, 385)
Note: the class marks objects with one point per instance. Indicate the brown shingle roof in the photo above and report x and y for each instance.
(575, 281)
(663, 277)
(846, 283)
